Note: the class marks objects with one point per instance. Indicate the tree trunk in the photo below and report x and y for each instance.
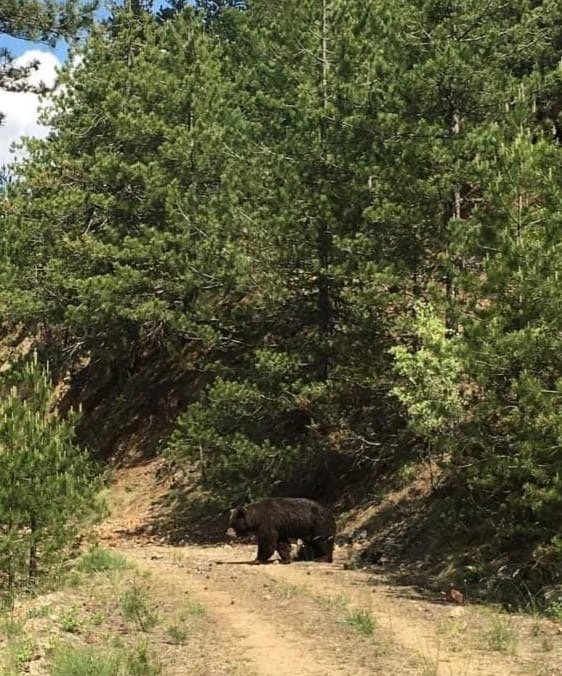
(32, 548)
(324, 232)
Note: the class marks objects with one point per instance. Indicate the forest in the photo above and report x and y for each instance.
(343, 219)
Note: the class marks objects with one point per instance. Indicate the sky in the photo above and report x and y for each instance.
(21, 109)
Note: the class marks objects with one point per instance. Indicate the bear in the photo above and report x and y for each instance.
(277, 521)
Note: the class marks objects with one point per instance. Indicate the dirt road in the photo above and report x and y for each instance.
(319, 619)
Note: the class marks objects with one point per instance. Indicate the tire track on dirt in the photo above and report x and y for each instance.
(412, 625)
(267, 640)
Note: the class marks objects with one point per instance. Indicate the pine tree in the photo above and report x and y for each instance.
(135, 250)
(48, 483)
(312, 368)
(495, 249)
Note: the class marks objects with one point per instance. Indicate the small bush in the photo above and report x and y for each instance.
(70, 623)
(136, 607)
(554, 611)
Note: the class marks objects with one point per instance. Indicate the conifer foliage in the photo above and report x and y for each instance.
(38, 21)
(346, 214)
(48, 482)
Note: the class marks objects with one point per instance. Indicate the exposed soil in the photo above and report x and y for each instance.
(298, 619)
(309, 618)
(236, 618)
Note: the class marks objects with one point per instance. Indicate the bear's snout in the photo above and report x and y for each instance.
(231, 532)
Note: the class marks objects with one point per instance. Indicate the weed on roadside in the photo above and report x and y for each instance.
(11, 628)
(18, 653)
(361, 621)
(454, 630)
(67, 660)
(139, 662)
(290, 591)
(333, 602)
(177, 634)
(136, 607)
(97, 560)
(40, 612)
(69, 622)
(84, 661)
(501, 635)
(196, 610)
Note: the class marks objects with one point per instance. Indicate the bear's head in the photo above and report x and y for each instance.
(238, 523)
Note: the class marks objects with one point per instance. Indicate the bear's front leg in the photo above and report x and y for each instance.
(267, 543)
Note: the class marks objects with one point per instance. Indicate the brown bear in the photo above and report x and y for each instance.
(277, 521)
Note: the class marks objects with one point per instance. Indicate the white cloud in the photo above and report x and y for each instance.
(21, 109)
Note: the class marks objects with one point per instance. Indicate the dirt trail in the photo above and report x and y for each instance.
(316, 619)
(270, 635)
(295, 620)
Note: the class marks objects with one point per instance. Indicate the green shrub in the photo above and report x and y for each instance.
(47, 484)
(97, 559)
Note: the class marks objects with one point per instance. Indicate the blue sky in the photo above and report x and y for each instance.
(21, 109)
(19, 47)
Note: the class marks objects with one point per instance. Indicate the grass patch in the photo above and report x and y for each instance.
(554, 611)
(139, 662)
(361, 621)
(39, 612)
(71, 661)
(69, 622)
(501, 636)
(338, 602)
(455, 631)
(196, 610)
(98, 560)
(177, 634)
(18, 653)
(11, 628)
(136, 607)
(177, 556)
(89, 661)
(74, 580)
(290, 591)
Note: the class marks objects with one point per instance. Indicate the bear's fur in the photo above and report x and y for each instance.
(277, 521)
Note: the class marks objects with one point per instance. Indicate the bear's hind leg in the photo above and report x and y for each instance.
(284, 549)
(323, 548)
